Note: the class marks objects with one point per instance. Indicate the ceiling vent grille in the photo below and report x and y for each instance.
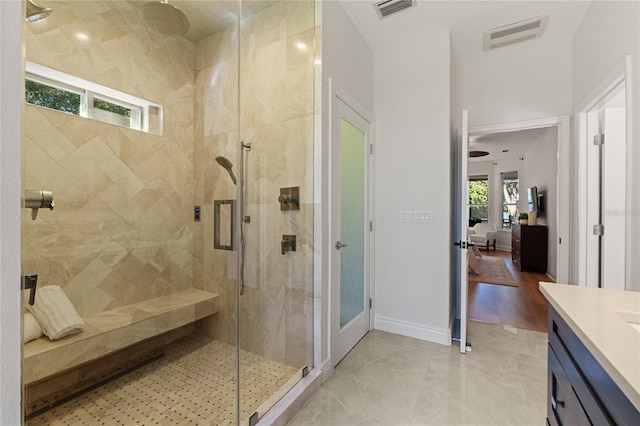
(387, 7)
(515, 33)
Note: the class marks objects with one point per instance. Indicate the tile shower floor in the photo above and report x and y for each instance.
(194, 383)
(393, 380)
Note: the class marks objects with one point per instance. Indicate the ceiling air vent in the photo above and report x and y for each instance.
(515, 33)
(387, 7)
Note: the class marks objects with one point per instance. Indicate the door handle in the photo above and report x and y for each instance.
(464, 244)
(339, 245)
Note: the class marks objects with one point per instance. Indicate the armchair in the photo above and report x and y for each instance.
(483, 234)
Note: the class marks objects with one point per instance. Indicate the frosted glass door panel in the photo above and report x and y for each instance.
(352, 217)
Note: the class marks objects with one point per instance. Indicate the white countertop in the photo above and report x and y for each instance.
(595, 317)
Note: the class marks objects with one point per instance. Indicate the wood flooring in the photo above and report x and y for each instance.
(521, 307)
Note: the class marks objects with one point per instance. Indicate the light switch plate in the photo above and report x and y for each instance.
(422, 216)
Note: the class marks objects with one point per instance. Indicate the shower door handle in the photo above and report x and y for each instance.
(339, 245)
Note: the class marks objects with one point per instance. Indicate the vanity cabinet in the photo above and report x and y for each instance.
(580, 392)
(529, 246)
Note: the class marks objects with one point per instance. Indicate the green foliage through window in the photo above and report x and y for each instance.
(53, 89)
(51, 97)
(510, 197)
(479, 199)
(108, 106)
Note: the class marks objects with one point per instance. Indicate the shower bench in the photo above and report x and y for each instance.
(111, 331)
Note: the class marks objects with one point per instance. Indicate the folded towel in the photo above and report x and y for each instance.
(32, 329)
(55, 313)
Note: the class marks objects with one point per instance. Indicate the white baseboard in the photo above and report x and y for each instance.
(417, 331)
(503, 248)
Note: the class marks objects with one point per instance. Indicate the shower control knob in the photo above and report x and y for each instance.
(339, 245)
(286, 199)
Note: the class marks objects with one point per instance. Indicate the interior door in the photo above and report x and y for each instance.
(463, 191)
(592, 188)
(605, 246)
(613, 126)
(350, 228)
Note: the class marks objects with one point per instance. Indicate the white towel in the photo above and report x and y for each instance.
(55, 313)
(31, 328)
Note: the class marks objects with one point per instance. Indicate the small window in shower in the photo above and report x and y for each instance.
(118, 113)
(50, 96)
(56, 90)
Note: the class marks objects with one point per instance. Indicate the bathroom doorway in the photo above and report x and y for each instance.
(512, 297)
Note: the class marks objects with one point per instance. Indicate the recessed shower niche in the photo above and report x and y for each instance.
(164, 312)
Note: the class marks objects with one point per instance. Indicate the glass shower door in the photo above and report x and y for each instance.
(277, 48)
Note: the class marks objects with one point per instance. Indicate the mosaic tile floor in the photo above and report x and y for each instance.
(193, 384)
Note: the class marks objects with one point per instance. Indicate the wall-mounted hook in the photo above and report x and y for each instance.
(30, 283)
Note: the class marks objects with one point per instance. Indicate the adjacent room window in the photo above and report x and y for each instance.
(510, 198)
(53, 89)
(478, 199)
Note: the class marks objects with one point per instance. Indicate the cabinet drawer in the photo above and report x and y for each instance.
(601, 399)
(564, 406)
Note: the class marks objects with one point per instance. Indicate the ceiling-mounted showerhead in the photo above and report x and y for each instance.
(36, 12)
(164, 18)
(228, 165)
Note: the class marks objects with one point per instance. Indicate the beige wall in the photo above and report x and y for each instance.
(277, 106)
(121, 229)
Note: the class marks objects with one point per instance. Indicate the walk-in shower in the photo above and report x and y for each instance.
(131, 241)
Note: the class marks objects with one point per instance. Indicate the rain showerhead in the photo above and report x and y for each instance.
(228, 165)
(164, 18)
(36, 12)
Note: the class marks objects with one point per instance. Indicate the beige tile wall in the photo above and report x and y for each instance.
(277, 106)
(121, 229)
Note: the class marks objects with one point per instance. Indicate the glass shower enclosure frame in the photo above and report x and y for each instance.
(184, 244)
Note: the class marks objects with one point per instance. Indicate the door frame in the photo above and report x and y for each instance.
(12, 93)
(461, 234)
(621, 75)
(338, 93)
(563, 204)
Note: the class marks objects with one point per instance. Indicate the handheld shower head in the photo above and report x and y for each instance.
(228, 165)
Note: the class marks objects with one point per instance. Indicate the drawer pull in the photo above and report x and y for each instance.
(555, 404)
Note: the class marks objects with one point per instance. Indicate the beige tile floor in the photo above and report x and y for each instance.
(393, 380)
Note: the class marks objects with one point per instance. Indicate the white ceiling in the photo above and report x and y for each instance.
(467, 21)
(517, 143)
